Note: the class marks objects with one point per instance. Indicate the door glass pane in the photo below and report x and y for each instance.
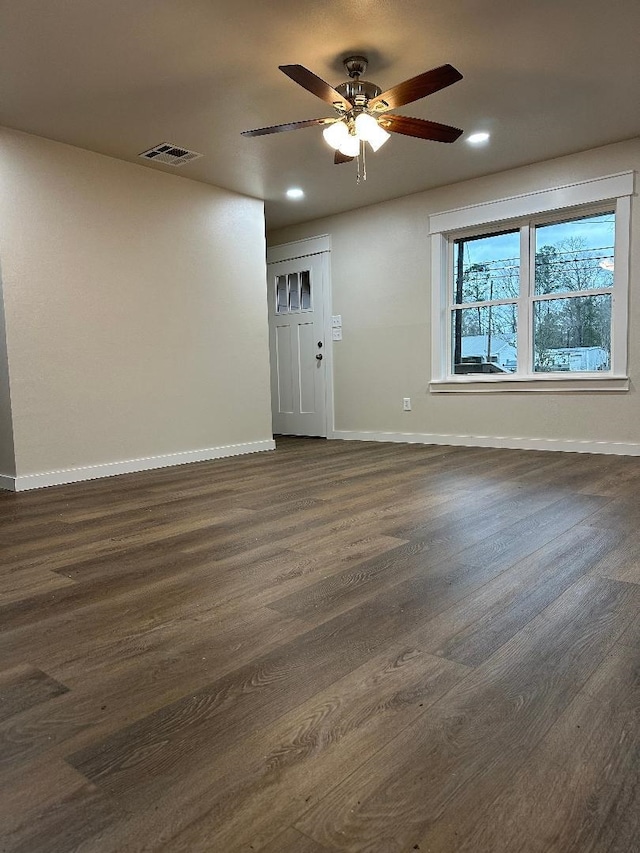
(575, 255)
(282, 299)
(294, 292)
(305, 291)
(486, 268)
(572, 334)
(485, 339)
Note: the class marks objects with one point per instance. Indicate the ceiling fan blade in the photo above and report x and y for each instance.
(342, 158)
(309, 81)
(416, 88)
(420, 128)
(292, 125)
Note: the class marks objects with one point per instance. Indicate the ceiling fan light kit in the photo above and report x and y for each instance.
(368, 129)
(348, 134)
(362, 109)
(335, 134)
(350, 147)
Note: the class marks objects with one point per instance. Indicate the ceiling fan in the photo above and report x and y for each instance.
(362, 108)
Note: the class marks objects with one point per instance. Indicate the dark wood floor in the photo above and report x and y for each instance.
(336, 646)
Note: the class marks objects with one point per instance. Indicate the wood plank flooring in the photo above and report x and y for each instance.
(336, 646)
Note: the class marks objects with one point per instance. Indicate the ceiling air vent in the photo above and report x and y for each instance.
(170, 155)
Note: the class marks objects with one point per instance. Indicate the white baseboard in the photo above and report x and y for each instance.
(24, 482)
(567, 445)
(7, 482)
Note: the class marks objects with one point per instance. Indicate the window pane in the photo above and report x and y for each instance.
(572, 334)
(485, 339)
(282, 298)
(305, 290)
(486, 268)
(575, 255)
(294, 292)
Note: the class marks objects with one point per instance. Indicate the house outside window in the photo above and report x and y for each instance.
(535, 301)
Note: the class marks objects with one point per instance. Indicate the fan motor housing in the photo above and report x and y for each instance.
(359, 92)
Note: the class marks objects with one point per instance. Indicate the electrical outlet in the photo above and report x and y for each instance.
(406, 404)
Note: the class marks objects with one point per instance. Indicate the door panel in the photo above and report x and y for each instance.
(284, 372)
(296, 334)
(307, 361)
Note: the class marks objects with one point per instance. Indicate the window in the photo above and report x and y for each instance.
(485, 287)
(536, 298)
(573, 291)
(565, 300)
(293, 293)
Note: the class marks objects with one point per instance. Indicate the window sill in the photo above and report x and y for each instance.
(546, 384)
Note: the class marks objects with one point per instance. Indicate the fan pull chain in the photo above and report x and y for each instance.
(361, 174)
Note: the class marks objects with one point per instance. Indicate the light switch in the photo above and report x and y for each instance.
(336, 321)
(336, 333)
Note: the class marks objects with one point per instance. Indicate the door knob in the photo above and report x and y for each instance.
(319, 356)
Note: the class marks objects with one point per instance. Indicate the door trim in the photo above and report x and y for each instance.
(299, 249)
(320, 245)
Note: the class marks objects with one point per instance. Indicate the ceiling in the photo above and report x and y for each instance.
(545, 78)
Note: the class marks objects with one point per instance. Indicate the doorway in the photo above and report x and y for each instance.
(300, 352)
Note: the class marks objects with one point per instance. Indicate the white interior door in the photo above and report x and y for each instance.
(297, 345)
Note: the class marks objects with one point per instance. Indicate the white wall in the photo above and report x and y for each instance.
(380, 263)
(135, 309)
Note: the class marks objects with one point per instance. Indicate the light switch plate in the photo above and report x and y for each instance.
(336, 334)
(336, 320)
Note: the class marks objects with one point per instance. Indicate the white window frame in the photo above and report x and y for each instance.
(612, 192)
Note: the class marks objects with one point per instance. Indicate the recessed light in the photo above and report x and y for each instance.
(295, 192)
(478, 138)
